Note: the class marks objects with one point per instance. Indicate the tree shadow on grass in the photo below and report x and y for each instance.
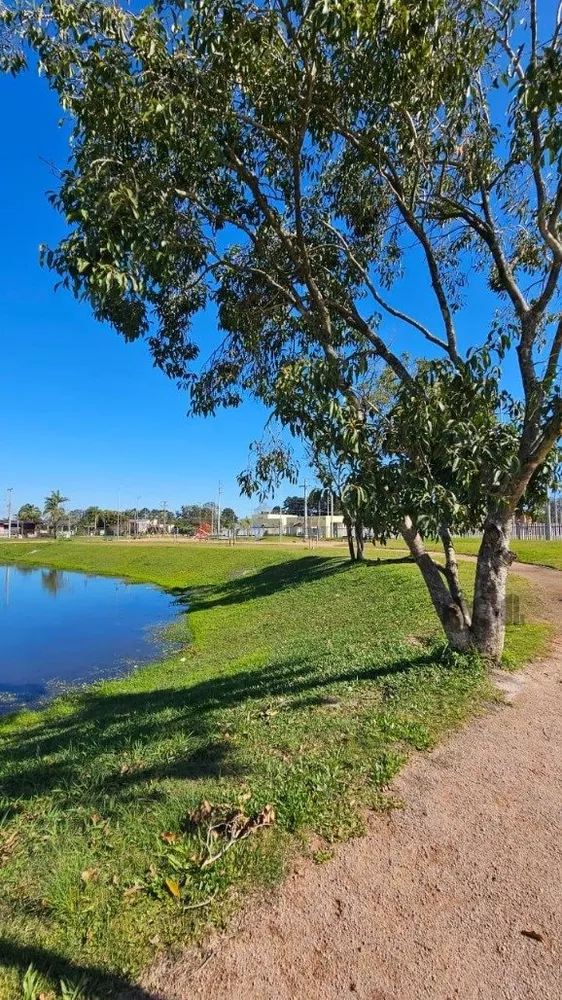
(279, 577)
(79, 755)
(57, 754)
(99, 985)
(270, 580)
(78, 747)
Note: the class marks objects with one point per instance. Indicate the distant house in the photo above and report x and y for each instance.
(19, 529)
(319, 526)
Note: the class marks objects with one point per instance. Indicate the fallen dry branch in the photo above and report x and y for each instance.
(227, 829)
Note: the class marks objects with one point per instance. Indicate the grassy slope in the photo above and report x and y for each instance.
(304, 684)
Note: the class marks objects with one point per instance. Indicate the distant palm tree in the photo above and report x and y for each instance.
(91, 518)
(29, 512)
(53, 510)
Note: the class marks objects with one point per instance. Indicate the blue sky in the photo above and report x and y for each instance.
(80, 410)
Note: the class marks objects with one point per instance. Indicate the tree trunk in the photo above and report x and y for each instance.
(451, 572)
(484, 631)
(450, 614)
(350, 538)
(488, 609)
(359, 542)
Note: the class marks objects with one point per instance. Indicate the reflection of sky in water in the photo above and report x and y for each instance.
(60, 627)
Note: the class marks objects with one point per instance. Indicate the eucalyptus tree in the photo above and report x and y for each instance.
(288, 160)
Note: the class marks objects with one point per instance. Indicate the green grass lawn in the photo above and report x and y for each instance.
(539, 553)
(303, 683)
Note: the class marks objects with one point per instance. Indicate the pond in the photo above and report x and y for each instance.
(59, 628)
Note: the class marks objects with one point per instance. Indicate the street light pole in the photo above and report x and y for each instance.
(219, 509)
(305, 488)
(9, 492)
(326, 492)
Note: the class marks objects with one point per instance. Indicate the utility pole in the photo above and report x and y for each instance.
(305, 488)
(9, 492)
(219, 509)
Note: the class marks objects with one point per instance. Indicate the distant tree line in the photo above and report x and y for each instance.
(318, 502)
(186, 520)
(148, 520)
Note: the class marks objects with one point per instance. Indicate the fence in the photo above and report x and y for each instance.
(537, 532)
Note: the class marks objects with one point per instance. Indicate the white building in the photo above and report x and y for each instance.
(146, 526)
(319, 526)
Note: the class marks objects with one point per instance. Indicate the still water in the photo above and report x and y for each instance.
(59, 629)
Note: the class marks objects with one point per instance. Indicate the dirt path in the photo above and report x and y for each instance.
(458, 895)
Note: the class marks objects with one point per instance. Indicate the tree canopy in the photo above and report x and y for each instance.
(288, 162)
(29, 512)
(54, 510)
(229, 519)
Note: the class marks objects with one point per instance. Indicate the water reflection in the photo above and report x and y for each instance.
(6, 588)
(66, 628)
(52, 580)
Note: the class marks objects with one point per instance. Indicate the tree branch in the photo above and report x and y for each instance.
(449, 611)
(553, 357)
(452, 572)
(404, 317)
(306, 268)
(549, 436)
(490, 237)
(539, 305)
(418, 230)
(350, 314)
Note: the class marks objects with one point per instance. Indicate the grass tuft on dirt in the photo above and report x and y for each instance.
(135, 814)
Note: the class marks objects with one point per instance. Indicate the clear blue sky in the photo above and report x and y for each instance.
(80, 410)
